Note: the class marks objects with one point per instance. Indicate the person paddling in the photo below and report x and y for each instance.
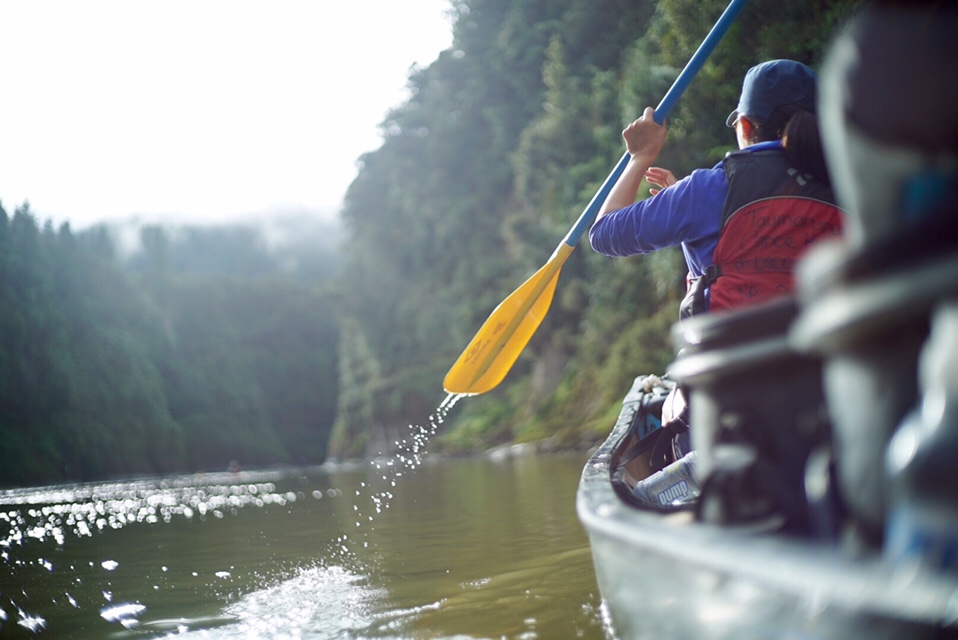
(742, 224)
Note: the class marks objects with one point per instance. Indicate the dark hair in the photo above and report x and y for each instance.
(797, 128)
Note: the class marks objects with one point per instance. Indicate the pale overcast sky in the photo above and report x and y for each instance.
(199, 110)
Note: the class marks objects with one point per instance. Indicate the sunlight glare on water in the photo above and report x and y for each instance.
(464, 549)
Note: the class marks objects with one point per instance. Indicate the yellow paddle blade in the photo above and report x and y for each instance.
(503, 336)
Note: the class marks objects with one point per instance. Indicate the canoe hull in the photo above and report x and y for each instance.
(668, 577)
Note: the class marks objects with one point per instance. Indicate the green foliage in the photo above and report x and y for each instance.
(479, 431)
(209, 345)
(503, 142)
(106, 372)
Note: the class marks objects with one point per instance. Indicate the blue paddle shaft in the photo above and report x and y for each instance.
(665, 106)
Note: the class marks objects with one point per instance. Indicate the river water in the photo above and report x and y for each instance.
(465, 548)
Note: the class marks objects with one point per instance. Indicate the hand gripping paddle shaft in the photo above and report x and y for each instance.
(495, 348)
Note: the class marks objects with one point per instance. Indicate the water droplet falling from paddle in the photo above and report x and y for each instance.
(409, 455)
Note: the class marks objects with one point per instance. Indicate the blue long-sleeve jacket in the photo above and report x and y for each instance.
(689, 213)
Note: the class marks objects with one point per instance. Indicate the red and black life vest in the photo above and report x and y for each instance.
(771, 214)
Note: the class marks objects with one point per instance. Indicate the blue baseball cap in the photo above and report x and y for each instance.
(774, 84)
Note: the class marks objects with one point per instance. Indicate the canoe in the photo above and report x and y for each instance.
(668, 577)
(687, 573)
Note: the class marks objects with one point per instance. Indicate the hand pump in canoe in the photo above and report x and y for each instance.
(500, 340)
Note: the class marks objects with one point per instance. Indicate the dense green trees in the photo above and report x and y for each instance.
(164, 366)
(206, 346)
(483, 170)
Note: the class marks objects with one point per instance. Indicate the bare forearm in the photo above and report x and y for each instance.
(643, 140)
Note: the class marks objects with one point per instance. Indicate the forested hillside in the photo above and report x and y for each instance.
(198, 349)
(484, 169)
(207, 345)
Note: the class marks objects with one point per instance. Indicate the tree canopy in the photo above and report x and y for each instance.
(208, 345)
(156, 364)
(504, 140)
